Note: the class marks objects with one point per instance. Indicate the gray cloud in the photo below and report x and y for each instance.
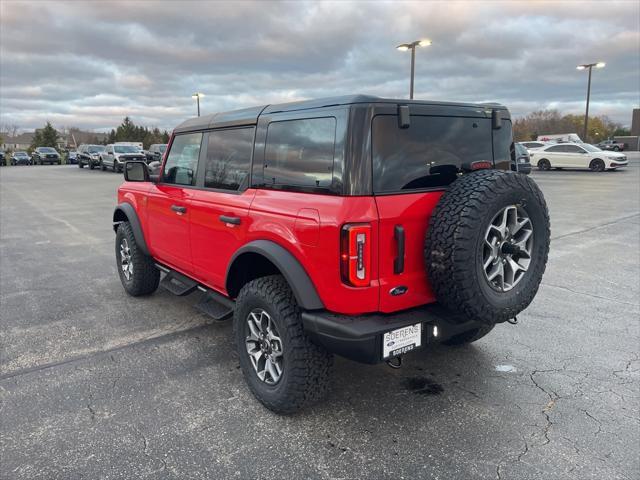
(89, 64)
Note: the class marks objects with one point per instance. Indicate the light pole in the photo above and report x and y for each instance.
(412, 46)
(197, 97)
(586, 115)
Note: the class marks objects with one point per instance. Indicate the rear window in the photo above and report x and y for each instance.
(299, 153)
(429, 153)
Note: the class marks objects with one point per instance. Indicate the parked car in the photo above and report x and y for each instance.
(612, 145)
(72, 158)
(2, 158)
(114, 156)
(521, 161)
(21, 158)
(89, 155)
(532, 145)
(48, 155)
(359, 226)
(155, 152)
(577, 155)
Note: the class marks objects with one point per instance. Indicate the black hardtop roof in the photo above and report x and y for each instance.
(250, 115)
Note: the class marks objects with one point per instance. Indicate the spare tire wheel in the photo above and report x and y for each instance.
(487, 245)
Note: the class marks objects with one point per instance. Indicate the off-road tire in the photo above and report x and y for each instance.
(146, 276)
(455, 238)
(544, 164)
(597, 165)
(469, 336)
(307, 367)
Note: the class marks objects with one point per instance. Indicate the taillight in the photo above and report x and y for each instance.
(481, 165)
(355, 254)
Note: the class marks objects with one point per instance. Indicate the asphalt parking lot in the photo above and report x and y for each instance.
(95, 384)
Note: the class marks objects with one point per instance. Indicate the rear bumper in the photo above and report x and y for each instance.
(359, 338)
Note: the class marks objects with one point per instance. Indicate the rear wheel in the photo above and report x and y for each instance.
(596, 165)
(544, 164)
(285, 371)
(616, 149)
(469, 336)
(138, 273)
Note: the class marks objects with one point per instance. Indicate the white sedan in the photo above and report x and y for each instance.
(576, 155)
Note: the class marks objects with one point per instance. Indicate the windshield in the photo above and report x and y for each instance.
(590, 148)
(96, 148)
(520, 149)
(47, 150)
(162, 148)
(21, 154)
(125, 149)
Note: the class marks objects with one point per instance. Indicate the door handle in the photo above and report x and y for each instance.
(179, 209)
(231, 220)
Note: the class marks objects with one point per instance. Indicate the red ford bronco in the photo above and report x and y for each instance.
(356, 225)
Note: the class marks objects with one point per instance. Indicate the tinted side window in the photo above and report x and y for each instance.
(182, 162)
(429, 153)
(556, 148)
(573, 149)
(300, 152)
(228, 158)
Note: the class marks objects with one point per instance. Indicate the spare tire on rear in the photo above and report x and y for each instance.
(487, 245)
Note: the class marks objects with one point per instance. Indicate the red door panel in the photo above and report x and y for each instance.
(214, 241)
(412, 212)
(168, 225)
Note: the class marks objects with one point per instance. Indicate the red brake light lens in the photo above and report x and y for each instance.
(481, 165)
(355, 254)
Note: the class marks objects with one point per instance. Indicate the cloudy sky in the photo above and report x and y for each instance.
(88, 64)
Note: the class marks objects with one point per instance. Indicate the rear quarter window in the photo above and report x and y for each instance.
(428, 154)
(299, 153)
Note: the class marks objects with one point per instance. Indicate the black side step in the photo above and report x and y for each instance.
(215, 305)
(178, 284)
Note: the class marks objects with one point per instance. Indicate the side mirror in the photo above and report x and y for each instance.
(136, 172)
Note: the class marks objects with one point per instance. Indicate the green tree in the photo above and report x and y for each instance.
(45, 137)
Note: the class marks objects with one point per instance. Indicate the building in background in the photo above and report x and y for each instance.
(633, 141)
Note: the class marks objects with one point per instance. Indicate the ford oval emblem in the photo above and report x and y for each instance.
(391, 343)
(401, 290)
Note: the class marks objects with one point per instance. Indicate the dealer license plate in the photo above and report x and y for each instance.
(402, 340)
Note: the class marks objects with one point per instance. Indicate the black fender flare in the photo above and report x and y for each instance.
(130, 216)
(295, 274)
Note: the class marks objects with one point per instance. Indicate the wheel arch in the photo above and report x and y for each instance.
(125, 212)
(263, 257)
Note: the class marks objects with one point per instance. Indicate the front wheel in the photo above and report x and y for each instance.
(616, 149)
(285, 371)
(544, 164)
(597, 165)
(138, 273)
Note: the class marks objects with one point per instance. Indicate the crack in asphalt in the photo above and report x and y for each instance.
(586, 230)
(518, 458)
(627, 366)
(549, 406)
(145, 451)
(593, 295)
(594, 419)
(99, 353)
